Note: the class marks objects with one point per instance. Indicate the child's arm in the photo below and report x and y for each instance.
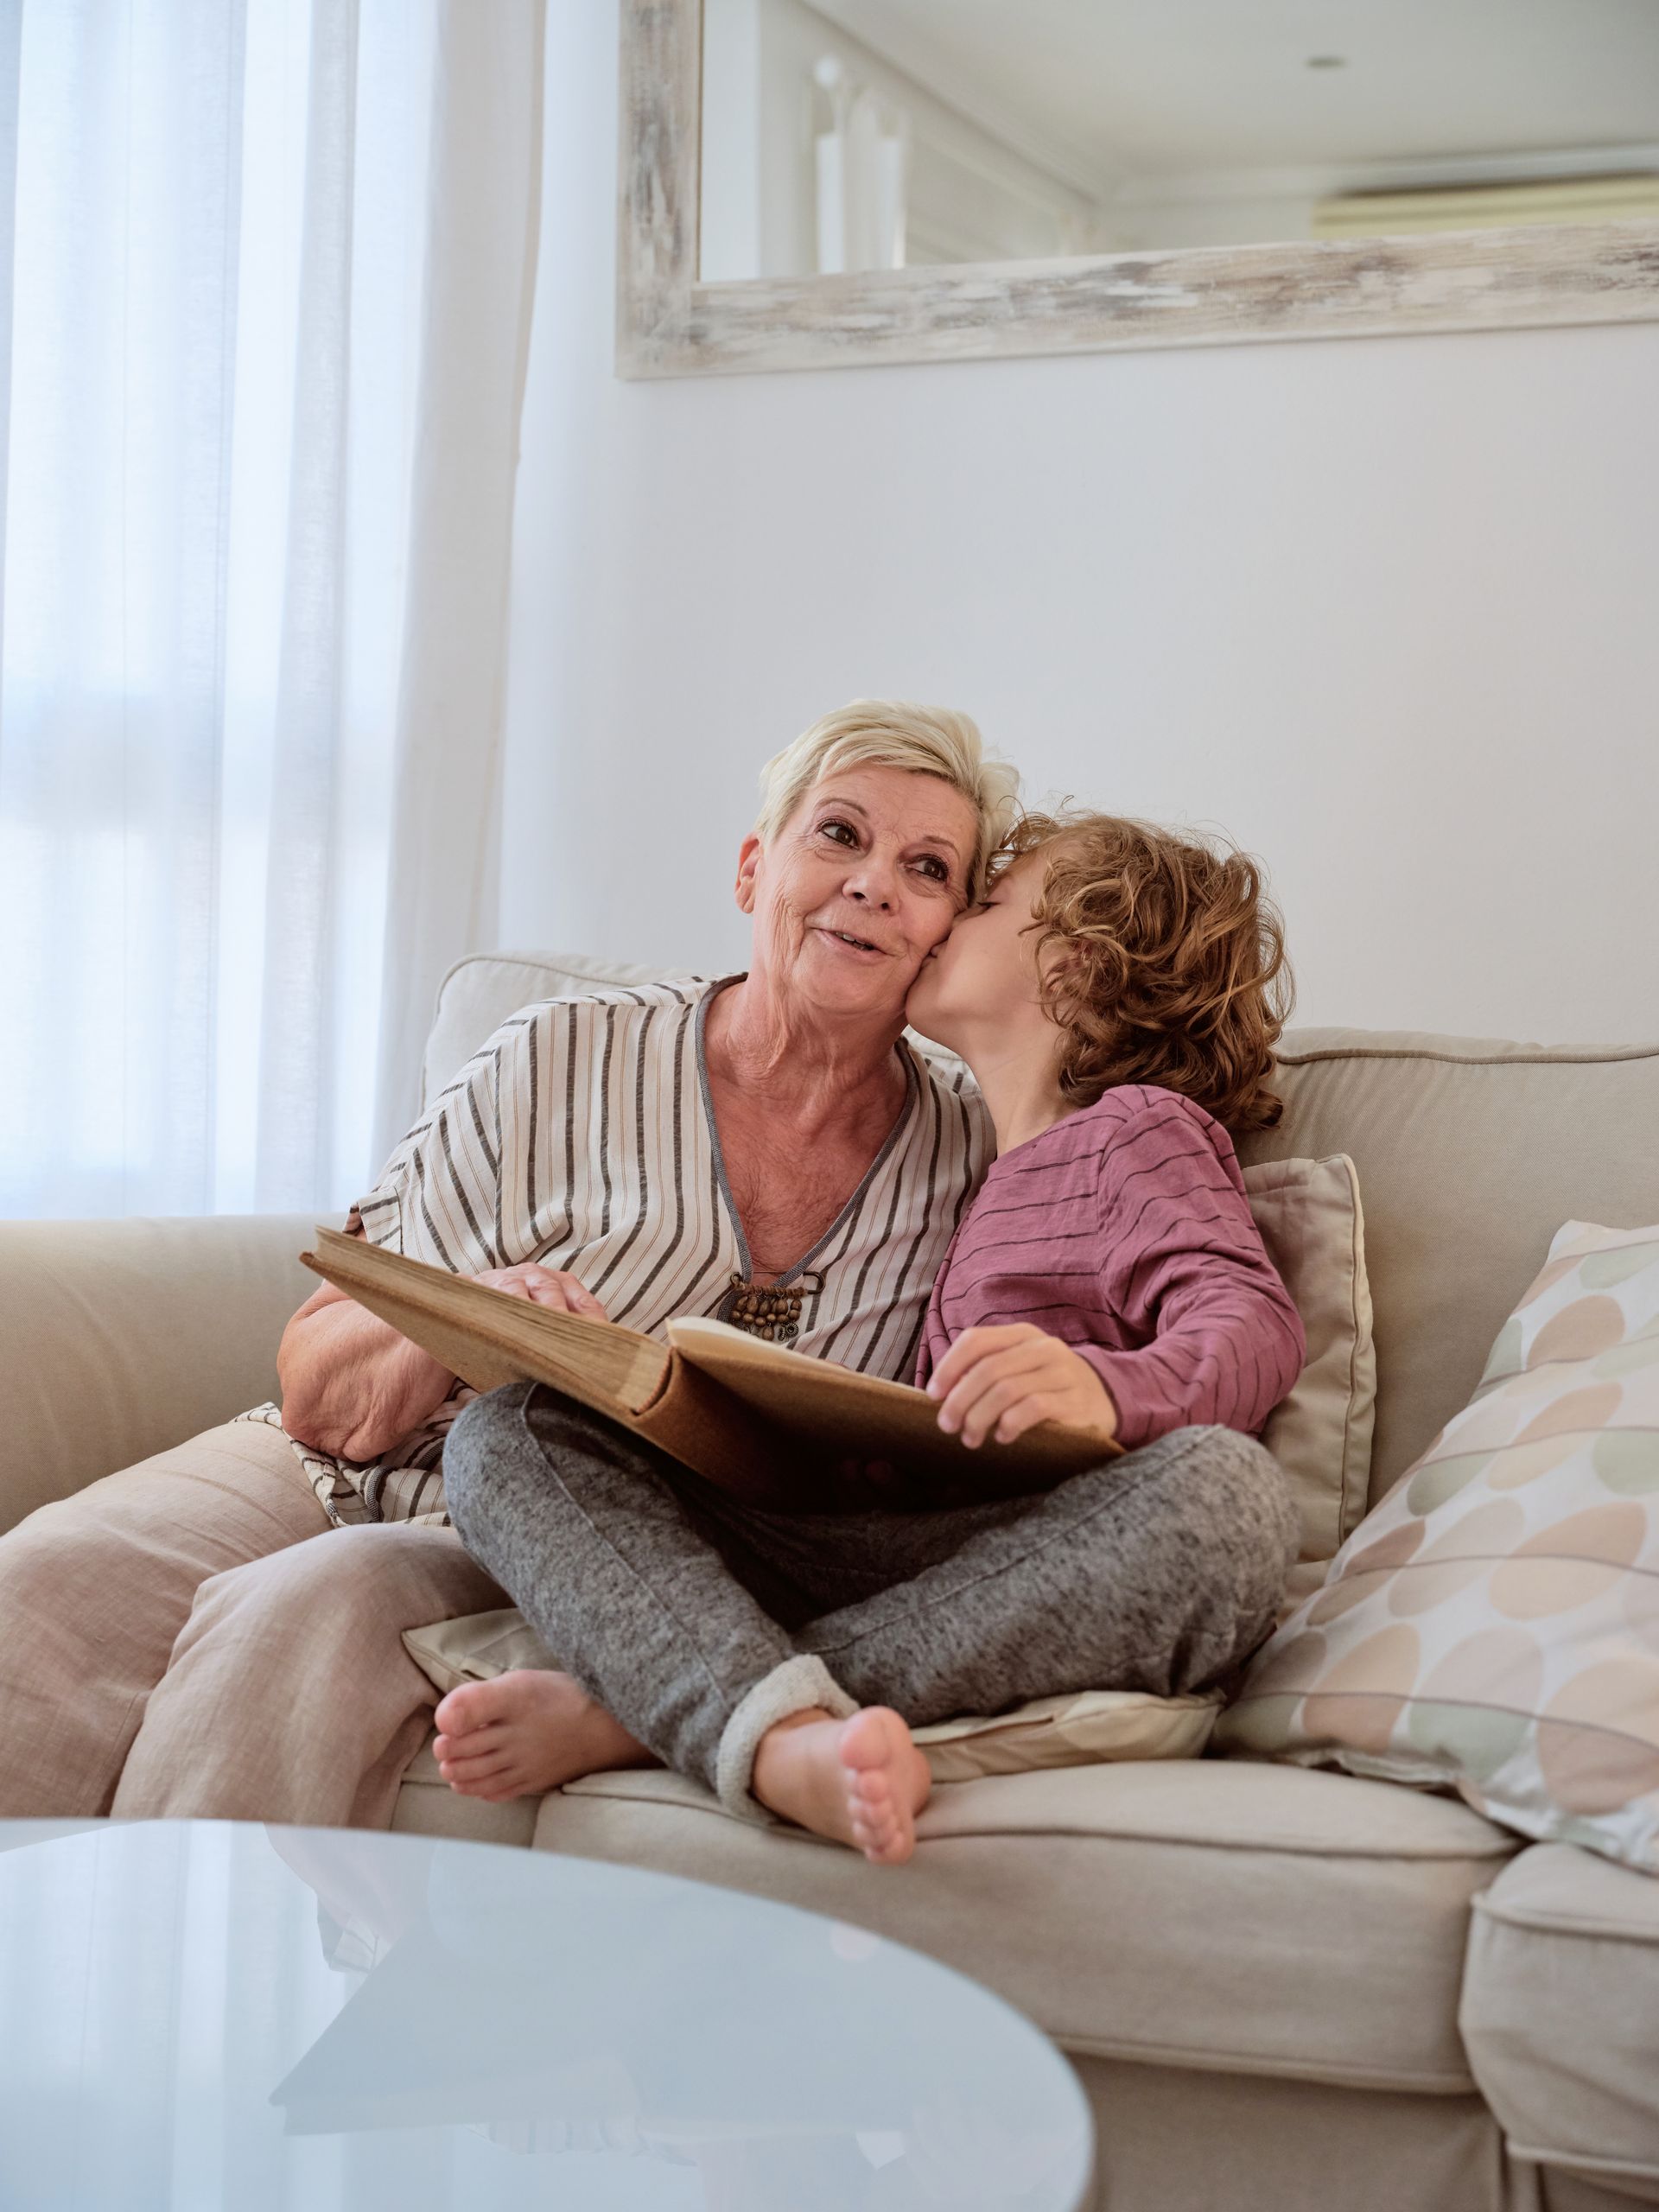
(1180, 1320)
(1184, 1267)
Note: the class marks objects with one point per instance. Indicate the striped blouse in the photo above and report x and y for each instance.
(582, 1135)
(1125, 1231)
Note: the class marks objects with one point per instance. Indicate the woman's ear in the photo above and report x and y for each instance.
(749, 862)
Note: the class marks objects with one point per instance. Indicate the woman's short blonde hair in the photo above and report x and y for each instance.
(893, 734)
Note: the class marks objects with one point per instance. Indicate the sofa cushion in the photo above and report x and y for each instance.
(427, 1806)
(1311, 1220)
(1470, 1154)
(1559, 2008)
(121, 1338)
(1255, 1920)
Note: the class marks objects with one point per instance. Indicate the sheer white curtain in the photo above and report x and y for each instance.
(230, 322)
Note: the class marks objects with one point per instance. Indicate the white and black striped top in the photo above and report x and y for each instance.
(582, 1135)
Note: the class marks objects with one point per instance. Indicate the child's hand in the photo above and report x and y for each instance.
(1004, 1381)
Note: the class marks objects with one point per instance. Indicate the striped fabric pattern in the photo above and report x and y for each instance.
(1125, 1231)
(582, 1135)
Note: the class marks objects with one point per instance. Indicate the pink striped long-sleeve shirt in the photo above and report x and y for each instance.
(1124, 1231)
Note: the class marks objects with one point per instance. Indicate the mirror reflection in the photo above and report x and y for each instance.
(842, 135)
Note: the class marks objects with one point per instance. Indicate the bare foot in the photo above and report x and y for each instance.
(524, 1732)
(860, 1782)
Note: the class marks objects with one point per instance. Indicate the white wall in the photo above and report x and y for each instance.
(1387, 611)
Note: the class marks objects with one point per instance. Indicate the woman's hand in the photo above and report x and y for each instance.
(545, 1287)
(1002, 1381)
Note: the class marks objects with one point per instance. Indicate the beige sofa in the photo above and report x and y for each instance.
(1282, 1989)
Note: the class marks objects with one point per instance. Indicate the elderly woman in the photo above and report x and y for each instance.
(766, 1146)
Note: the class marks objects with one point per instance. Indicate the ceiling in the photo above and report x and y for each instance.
(1106, 89)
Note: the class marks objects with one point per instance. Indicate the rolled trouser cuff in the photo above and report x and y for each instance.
(796, 1686)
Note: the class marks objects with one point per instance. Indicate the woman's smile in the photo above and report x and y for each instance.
(865, 876)
(862, 948)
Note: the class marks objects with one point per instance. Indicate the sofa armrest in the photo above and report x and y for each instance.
(118, 1338)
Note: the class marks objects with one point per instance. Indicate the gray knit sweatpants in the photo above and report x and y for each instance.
(698, 1622)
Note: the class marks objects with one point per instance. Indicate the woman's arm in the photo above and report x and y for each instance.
(352, 1385)
(1214, 1336)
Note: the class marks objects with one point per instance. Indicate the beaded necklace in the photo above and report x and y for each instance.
(769, 1311)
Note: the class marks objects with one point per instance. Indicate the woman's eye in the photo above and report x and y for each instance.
(935, 870)
(843, 832)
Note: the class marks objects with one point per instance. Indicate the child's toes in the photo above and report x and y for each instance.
(469, 1743)
(468, 1707)
(490, 1767)
(870, 1796)
(873, 1835)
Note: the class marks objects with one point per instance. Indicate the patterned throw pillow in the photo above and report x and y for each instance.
(1493, 1626)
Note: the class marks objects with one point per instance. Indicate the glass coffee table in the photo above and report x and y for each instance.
(203, 2015)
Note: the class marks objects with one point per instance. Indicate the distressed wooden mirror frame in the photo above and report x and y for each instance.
(670, 324)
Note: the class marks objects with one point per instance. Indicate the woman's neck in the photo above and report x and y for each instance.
(799, 1064)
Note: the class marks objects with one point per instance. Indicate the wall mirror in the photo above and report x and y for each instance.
(812, 183)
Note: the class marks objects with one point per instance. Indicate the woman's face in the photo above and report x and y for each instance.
(984, 979)
(857, 887)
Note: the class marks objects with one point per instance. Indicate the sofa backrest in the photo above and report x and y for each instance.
(479, 994)
(1470, 1154)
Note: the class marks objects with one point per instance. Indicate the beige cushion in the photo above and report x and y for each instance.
(1255, 1919)
(1309, 1214)
(427, 1806)
(479, 992)
(1494, 1625)
(476, 1647)
(1052, 1732)
(1470, 1154)
(1560, 2012)
(123, 1337)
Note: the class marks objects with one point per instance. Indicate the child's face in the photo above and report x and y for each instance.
(984, 978)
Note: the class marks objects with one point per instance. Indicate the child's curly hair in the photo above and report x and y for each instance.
(1171, 966)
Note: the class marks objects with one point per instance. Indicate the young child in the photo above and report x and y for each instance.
(1117, 995)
